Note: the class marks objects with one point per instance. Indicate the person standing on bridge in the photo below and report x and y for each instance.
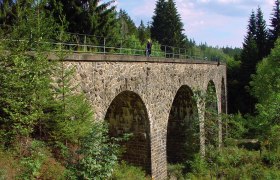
(149, 48)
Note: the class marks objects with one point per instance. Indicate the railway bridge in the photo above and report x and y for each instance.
(159, 100)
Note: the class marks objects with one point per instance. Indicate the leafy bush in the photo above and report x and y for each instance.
(124, 171)
(37, 163)
(175, 171)
(7, 166)
(98, 154)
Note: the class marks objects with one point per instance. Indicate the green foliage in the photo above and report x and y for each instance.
(255, 48)
(233, 163)
(7, 165)
(166, 27)
(143, 33)
(72, 115)
(274, 31)
(175, 171)
(128, 27)
(267, 80)
(261, 35)
(211, 116)
(124, 171)
(235, 126)
(98, 154)
(25, 77)
(32, 161)
(199, 166)
(92, 17)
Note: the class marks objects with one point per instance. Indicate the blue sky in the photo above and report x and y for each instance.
(217, 22)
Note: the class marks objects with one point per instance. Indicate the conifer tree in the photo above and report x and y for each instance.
(6, 13)
(87, 16)
(25, 76)
(31, 106)
(158, 25)
(274, 31)
(166, 26)
(261, 35)
(143, 32)
(127, 25)
(249, 59)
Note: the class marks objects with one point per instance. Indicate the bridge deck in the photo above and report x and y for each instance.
(129, 58)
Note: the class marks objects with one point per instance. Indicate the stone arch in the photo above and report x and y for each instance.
(211, 119)
(127, 113)
(183, 127)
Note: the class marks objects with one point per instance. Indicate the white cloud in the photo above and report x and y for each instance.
(217, 22)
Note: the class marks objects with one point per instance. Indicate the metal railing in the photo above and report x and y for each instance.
(83, 43)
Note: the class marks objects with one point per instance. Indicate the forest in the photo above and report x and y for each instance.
(48, 131)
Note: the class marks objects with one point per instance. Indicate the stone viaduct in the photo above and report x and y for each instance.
(154, 99)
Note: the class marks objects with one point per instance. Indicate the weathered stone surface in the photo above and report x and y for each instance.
(156, 82)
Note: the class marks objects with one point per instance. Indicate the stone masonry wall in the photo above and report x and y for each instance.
(155, 81)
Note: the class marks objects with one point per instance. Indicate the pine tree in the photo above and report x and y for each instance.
(166, 25)
(143, 32)
(174, 25)
(31, 106)
(274, 32)
(87, 16)
(261, 35)
(25, 76)
(249, 59)
(6, 13)
(159, 22)
(127, 25)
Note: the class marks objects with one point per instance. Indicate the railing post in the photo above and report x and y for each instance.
(104, 45)
(173, 52)
(60, 39)
(165, 50)
(121, 47)
(85, 42)
(134, 48)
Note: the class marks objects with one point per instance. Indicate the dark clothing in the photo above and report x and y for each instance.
(149, 49)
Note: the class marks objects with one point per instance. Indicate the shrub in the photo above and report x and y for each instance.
(7, 166)
(124, 171)
(175, 171)
(37, 163)
(51, 169)
(98, 155)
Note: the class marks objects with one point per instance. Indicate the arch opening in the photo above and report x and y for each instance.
(183, 128)
(128, 114)
(211, 124)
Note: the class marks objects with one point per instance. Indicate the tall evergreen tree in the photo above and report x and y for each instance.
(167, 27)
(25, 77)
(127, 25)
(261, 35)
(87, 16)
(158, 23)
(143, 32)
(249, 59)
(6, 14)
(274, 31)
